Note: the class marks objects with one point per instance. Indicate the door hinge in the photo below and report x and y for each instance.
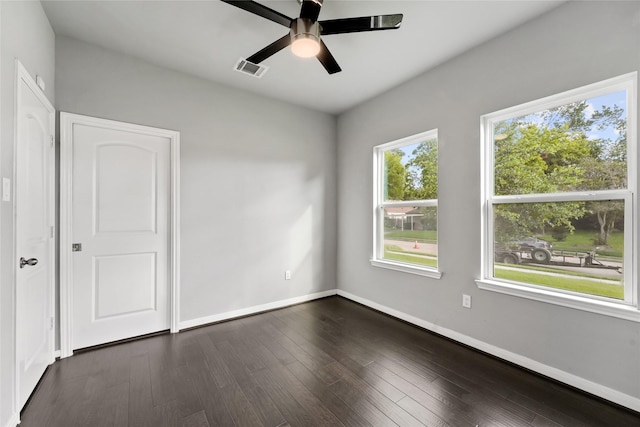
(52, 140)
(52, 231)
(51, 323)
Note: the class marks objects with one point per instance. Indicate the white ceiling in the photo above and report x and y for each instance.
(206, 38)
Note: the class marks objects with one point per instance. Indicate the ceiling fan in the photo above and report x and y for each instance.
(305, 31)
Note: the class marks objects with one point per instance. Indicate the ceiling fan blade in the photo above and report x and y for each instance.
(365, 23)
(272, 49)
(327, 60)
(311, 9)
(260, 10)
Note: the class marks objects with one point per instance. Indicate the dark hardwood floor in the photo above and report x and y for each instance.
(327, 362)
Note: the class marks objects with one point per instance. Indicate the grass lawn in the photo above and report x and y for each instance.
(525, 266)
(570, 284)
(411, 235)
(582, 241)
(429, 262)
(396, 248)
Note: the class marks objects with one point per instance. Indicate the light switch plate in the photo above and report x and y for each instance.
(6, 189)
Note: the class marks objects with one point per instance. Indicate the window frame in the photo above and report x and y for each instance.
(627, 308)
(379, 205)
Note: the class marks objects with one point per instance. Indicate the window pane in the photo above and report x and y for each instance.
(410, 235)
(411, 172)
(575, 147)
(572, 246)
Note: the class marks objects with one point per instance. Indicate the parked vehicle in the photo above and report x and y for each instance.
(540, 249)
(532, 242)
(507, 256)
(537, 250)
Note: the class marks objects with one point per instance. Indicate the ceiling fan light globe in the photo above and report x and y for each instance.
(305, 47)
(305, 38)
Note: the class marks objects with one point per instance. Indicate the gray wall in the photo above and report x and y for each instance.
(258, 182)
(577, 44)
(27, 36)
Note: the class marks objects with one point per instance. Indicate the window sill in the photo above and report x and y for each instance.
(607, 308)
(405, 268)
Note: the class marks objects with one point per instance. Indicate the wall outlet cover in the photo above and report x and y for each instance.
(466, 301)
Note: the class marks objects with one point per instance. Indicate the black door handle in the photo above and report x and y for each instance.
(30, 261)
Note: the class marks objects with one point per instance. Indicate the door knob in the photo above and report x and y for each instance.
(30, 261)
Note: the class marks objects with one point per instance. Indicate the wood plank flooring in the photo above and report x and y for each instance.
(330, 362)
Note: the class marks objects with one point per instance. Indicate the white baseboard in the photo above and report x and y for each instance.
(549, 371)
(255, 309)
(13, 421)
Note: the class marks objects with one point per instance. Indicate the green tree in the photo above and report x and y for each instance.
(556, 151)
(536, 159)
(422, 179)
(612, 117)
(607, 168)
(571, 116)
(395, 175)
(608, 214)
(604, 174)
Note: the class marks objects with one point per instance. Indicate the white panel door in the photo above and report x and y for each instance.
(121, 218)
(34, 219)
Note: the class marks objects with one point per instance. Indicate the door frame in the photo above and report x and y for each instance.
(67, 121)
(22, 75)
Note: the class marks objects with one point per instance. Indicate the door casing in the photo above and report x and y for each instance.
(67, 121)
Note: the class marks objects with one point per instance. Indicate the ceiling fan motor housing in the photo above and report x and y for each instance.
(304, 26)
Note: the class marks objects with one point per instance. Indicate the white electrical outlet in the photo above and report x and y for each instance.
(466, 301)
(287, 275)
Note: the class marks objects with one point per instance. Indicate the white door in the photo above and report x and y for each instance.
(34, 237)
(120, 218)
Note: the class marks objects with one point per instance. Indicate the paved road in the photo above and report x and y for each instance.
(430, 250)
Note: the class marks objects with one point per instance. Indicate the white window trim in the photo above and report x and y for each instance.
(379, 204)
(627, 309)
(406, 268)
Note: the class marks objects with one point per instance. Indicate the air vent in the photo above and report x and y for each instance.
(246, 67)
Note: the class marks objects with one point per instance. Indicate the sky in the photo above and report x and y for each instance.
(616, 98)
(594, 104)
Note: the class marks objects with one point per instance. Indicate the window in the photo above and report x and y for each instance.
(559, 209)
(406, 205)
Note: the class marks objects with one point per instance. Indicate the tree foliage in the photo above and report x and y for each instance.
(415, 178)
(556, 151)
(395, 175)
(422, 179)
(538, 159)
